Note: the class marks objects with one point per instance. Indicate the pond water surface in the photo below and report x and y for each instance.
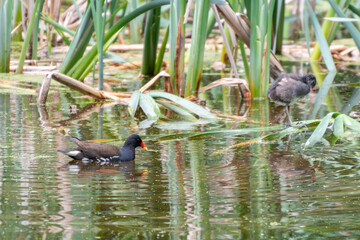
(177, 189)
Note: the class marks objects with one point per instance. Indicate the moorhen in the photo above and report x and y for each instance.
(287, 88)
(105, 152)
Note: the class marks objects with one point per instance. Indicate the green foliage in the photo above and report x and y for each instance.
(151, 39)
(197, 47)
(5, 34)
(278, 25)
(260, 39)
(134, 103)
(135, 24)
(178, 110)
(35, 36)
(210, 24)
(353, 31)
(58, 28)
(29, 32)
(98, 9)
(17, 20)
(321, 38)
(149, 106)
(319, 131)
(82, 66)
(354, 9)
(162, 50)
(177, 46)
(340, 122)
(188, 105)
(79, 43)
(148, 103)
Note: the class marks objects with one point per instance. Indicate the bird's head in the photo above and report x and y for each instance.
(310, 80)
(135, 141)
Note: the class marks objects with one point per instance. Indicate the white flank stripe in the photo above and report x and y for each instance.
(73, 153)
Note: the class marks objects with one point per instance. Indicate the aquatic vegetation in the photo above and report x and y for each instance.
(148, 103)
(337, 123)
(5, 34)
(221, 164)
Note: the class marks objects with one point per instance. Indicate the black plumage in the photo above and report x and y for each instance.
(105, 152)
(287, 88)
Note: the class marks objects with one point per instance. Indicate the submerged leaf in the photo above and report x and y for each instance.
(178, 125)
(319, 131)
(242, 131)
(192, 107)
(282, 133)
(235, 146)
(149, 106)
(134, 102)
(146, 123)
(272, 136)
(339, 125)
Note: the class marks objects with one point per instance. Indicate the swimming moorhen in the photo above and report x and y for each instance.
(105, 152)
(287, 88)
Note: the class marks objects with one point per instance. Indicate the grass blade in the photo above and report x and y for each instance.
(237, 132)
(177, 45)
(49, 20)
(197, 47)
(36, 30)
(78, 44)
(319, 131)
(17, 19)
(353, 31)
(307, 32)
(161, 54)
(5, 31)
(77, 8)
(323, 91)
(324, 47)
(278, 25)
(83, 67)
(244, 59)
(151, 39)
(210, 24)
(26, 42)
(354, 9)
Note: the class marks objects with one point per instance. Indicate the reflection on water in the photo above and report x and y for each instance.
(175, 190)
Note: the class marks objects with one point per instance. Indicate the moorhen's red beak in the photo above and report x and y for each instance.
(313, 88)
(143, 145)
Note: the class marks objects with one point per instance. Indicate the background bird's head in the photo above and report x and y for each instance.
(310, 80)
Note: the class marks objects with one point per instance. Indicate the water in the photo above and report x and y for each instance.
(178, 189)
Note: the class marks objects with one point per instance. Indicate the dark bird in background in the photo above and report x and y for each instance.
(105, 152)
(287, 88)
